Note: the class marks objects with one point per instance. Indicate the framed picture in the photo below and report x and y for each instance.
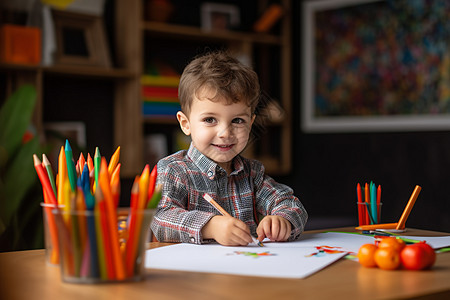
(80, 39)
(56, 134)
(375, 65)
(217, 16)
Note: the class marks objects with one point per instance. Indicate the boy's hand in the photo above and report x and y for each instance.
(227, 231)
(275, 228)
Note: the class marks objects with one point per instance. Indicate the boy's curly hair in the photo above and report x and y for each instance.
(232, 80)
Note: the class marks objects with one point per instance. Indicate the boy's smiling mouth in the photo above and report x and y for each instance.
(223, 146)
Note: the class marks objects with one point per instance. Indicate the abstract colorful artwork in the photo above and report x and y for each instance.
(376, 65)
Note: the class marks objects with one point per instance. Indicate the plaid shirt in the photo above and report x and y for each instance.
(188, 174)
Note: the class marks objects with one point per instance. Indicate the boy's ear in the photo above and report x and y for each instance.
(184, 123)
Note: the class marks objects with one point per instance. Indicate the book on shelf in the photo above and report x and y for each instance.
(151, 108)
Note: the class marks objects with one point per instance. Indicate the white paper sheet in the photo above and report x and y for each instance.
(299, 259)
(267, 261)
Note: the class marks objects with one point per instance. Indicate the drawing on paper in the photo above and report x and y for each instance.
(324, 250)
(252, 254)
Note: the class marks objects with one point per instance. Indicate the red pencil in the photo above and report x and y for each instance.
(360, 205)
(45, 182)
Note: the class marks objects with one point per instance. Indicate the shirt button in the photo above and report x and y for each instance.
(210, 173)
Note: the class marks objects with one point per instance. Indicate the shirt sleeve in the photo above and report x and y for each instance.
(173, 221)
(273, 198)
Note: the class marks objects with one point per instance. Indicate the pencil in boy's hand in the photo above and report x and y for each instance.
(225, 213)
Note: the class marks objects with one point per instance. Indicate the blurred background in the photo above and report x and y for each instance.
(354, 92)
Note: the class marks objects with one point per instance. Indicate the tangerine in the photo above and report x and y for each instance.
(387, 258)
(366, 255)
(392, 242)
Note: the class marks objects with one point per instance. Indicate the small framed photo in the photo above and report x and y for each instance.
(56, 134)
(80, 39)
(217, 16)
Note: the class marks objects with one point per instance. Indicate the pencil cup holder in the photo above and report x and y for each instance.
(50, 234)
(368, 214)
(101, 247)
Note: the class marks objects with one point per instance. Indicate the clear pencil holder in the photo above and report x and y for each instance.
(100, 247)
(50, 234)
(366, 214)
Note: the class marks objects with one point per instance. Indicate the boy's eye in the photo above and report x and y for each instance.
(238, 121)
(209, 120)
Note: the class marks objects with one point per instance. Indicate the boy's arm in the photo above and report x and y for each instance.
(173, 221)
(273, 198)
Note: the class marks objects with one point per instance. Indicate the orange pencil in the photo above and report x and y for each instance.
(114, 161)
(137, 215)
(90, 163)
(62, 174)
(115, 185)
(105, 186)
(367, 197)
(105, 233)
(129, 250)
(151, 183)
(409, 206)
(80, 163)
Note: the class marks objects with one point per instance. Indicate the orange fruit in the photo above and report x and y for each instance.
(387, 258)
(366, 255)
(392, 242)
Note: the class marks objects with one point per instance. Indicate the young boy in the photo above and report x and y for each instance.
(218, 97)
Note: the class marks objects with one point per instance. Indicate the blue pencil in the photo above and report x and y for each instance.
(90, 204)
(373, 202)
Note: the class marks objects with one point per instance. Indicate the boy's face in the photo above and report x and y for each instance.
(218, 130)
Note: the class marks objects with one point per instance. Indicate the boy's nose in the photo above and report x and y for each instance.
(225, 131)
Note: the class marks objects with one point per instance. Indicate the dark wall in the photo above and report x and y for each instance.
(327, 167)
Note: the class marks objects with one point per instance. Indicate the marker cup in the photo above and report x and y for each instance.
(97, 247)
(365, 215)
(50, 234)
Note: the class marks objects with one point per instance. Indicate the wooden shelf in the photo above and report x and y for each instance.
(188, 32)
(84, 71)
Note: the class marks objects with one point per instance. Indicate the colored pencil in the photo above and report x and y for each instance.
(45, 182)
(358, 203)
(70, 166)
(408, 208)
(367, 197)
(129, 249)
(225, 213)
(373, 202)
(379, 204)
(105, 186)
(97, 163)
(62, 174)
(114, 161)
(48, 168)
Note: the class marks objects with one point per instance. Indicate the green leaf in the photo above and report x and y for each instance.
(15, 117)
(19, 178)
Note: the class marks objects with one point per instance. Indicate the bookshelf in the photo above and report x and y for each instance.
(135, 41)
(142, 40)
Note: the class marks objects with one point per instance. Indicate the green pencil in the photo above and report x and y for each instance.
(71, 167)
(97, 164)
(48, 167)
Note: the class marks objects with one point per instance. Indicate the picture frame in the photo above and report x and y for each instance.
(218, 16)
(360, 73)
(80, 39)
(56, 134)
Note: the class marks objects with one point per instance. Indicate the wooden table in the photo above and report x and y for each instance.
(25, 275)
